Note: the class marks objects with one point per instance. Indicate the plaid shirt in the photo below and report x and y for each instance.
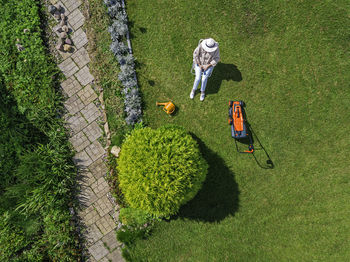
(201, 57)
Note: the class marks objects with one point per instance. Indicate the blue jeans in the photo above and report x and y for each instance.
(202, 75)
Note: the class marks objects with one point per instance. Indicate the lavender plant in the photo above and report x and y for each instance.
(132, 107)
(127, 68)
(124, 76)
(125, 59)
(130, 83)
(110, 3)
(129, 59)
(118, 48)
(121, 16)
(114, 10)
(118, 31)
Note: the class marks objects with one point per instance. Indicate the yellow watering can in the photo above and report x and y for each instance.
(169, 107)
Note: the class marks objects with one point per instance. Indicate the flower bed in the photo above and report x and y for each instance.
(119, 34)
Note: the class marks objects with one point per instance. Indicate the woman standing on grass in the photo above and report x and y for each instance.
(205, 57)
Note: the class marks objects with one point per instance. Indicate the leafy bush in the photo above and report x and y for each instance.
(134, 217)
(160, 170)
(117, 139)
(128, 235)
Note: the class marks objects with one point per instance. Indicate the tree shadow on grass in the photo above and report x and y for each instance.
(219, 195)
(222, 72)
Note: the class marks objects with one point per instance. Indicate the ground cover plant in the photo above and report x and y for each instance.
(289, 62)
(37, 175)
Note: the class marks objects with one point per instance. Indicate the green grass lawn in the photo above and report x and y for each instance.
(289, 61)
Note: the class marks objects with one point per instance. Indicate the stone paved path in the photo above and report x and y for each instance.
(85, 119)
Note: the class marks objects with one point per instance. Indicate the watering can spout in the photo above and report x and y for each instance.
(169, 107)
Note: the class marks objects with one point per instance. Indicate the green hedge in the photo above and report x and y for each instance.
(160, 170)
(37, 175)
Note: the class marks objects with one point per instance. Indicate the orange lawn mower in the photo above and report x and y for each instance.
(239, 125)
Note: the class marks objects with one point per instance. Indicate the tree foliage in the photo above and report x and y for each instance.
(160, 170)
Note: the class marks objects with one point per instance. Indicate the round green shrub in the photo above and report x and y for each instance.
(160, 170)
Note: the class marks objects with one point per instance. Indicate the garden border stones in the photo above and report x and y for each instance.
(64, 43)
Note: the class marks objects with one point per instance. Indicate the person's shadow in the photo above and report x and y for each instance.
(219, 195)
(222, 72)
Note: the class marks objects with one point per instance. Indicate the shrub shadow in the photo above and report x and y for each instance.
(222, 72)
(219, 195)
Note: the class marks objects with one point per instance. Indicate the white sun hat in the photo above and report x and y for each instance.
(209, 45)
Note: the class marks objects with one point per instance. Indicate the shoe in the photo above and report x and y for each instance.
(192, 94)
(202, 96)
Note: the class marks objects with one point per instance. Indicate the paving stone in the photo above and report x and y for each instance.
(71, 86)
(92, 234)
(83, 212)
(87, 95)
(93, 131)
(98, 250)
(91, 259)
(79, 38)
(98, 168)
(95, 150)
(79, 141)
(105, 224)
(68, 67)
(76, 19)
(103, 206)
(91, 216)
(110, 240)
(115, 256)
(82, 159)
(104, 259)
(71, 4)
(76, 123)
(73, 104)
(91, 112)
(100, 187)
(81, 57)
(86, 178)
(84, 76)
(86, 197)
